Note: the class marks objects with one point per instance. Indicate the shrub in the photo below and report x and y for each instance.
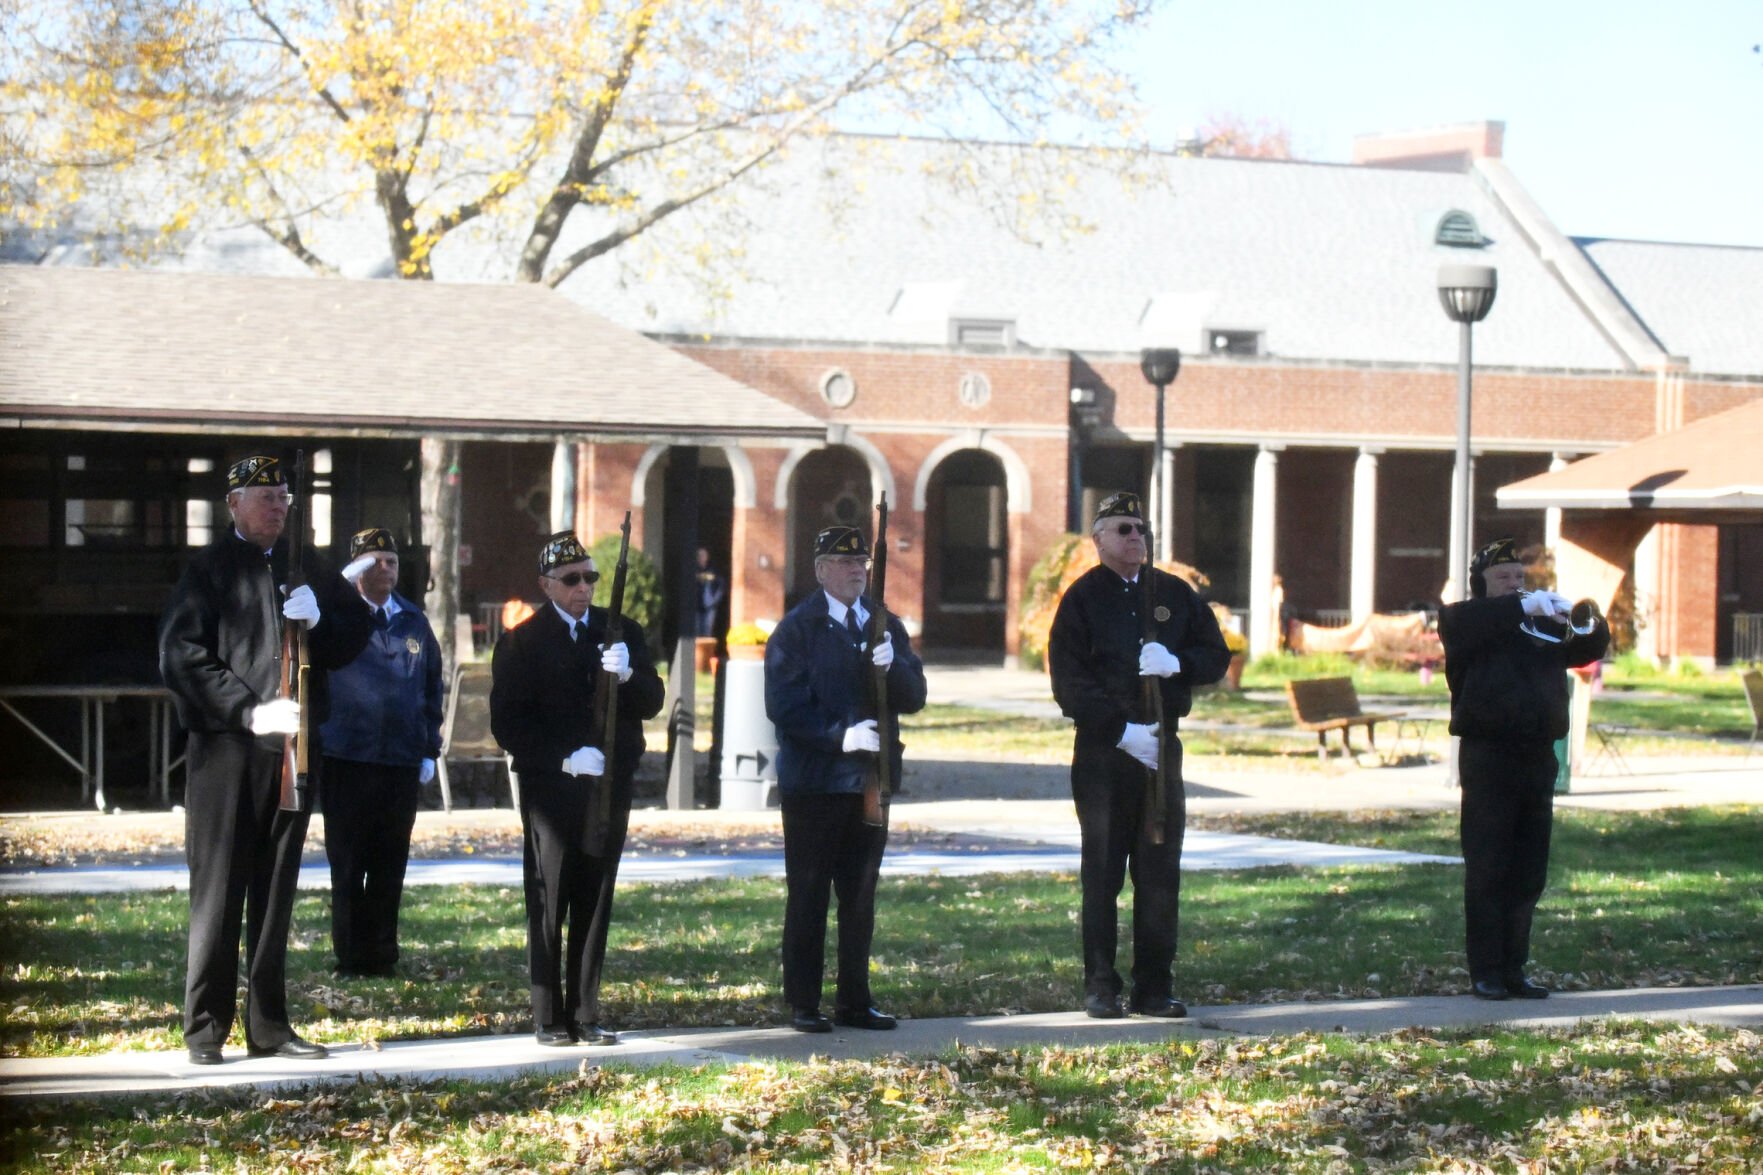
(1069, 557)
(643, 602)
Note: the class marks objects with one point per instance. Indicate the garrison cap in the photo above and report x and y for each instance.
(1124, 504)
(560, 550)
(1495, 553)
(840, 540)
(374, 538)
(255, 471)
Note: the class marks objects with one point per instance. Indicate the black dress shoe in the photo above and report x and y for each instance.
(1103, 1007)
(810, 1020)
(864, 1018)
(205, 1054)
(1487, 989)
(1163, 1006)
(554, 1036)
(1524, 989)
(291, 1049)
(592, 1034)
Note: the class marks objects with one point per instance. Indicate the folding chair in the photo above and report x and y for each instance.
(465, 733)
(1753, 679)
(1606, 735)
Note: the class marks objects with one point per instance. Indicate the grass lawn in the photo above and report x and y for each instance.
(1605, 1097)
(1636, 899)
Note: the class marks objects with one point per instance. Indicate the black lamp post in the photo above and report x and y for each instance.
(1160, 366)
(1467, 294)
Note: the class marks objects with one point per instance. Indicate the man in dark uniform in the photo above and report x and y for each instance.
(1508, 707)
(818, 674)
(380, 747)
(1097, 654)
(220, 655)
(544, 693)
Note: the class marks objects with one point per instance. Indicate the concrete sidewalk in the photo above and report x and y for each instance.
(486, 1058)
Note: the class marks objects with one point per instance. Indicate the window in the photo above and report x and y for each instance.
(837, 388)
(982, 332)
(1234, 342)
(1459, 230)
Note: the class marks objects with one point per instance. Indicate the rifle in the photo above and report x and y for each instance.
(606, 694)
(1152, 688)
(879, 783)
(296, 668)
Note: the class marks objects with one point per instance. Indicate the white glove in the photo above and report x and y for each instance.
(1157, 661)
(1547, 604)
(426, 773)
(883, 656)
(1140, 742)
(302, 605)
(616, 660)
(585, 761)
(279, 716)
(862, 737)
(357, 569)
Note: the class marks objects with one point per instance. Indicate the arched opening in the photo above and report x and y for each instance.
(713, 494)
(967, 558)
(829, 487)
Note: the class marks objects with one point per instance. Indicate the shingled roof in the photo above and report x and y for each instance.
(1702, 302)
(192, 350)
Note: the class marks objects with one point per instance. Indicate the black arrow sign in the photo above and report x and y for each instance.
(758, 758)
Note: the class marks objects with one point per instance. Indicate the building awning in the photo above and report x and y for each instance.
(175, 351)
(1710, 471)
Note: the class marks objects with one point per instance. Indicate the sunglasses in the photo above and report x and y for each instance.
(576, 578)
(1126, 528)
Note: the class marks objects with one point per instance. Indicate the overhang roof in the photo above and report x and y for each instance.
(1707, 468)
(102, 348)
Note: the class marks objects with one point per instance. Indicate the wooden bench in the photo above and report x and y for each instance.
(1323, 704)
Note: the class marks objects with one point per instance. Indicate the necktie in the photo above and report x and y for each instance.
(853, 628)
(575, 632)
(379, 617)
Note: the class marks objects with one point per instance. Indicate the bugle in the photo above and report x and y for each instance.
(1582, 620)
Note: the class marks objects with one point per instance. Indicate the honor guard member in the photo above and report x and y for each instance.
(380, 747)
(1508, 707)
(543, 698)
(1098, 658)
(817, 692)
(220, 653)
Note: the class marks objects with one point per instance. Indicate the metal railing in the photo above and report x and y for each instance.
(1747, 636)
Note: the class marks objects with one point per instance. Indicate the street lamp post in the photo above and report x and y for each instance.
(1467, 294)
(1160, 366)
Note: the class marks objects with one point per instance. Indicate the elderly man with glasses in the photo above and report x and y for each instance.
(220, 654)
(546, 678)
(1098, 656)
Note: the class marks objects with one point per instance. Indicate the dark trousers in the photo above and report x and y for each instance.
(828, 846)
(565, 883)
(244, 856)
(1111, 791)
(369, 810)
(1508, 812)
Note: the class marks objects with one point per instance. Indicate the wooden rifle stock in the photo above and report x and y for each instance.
(879, 783)
(296, 669)
(606, 712)
(1157, 803)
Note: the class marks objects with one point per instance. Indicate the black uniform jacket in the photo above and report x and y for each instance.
(220, 640)
(1505, 684)
(817, 684)
(543, 686)
(1093, 652)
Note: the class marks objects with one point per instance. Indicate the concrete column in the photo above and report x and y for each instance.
(1262, 531)
(1166, 508)
(1363, 593)
(1647, 569)
(563, 459)
(1552, 516)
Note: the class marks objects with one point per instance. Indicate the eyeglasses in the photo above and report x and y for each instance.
(576, 578)
(849, 561)
(1126, 528)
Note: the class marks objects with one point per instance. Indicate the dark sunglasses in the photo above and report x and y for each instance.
(576, 578)
(1126, 528)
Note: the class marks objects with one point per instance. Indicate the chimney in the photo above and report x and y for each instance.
(1442, 148)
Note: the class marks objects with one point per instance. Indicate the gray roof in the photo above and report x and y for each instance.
(192, 349)
(1702, 302)
(862, 240)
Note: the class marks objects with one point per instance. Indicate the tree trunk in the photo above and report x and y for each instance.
(440, 530)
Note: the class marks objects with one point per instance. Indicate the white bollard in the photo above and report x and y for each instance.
(749, 740)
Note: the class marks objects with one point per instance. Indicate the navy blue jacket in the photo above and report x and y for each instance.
(386, 704)
(817, 685)
(1504, 684)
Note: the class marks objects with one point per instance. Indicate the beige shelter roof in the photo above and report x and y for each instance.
(112, 348)
(1711, 467)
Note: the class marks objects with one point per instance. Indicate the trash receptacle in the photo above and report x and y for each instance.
(749, 740)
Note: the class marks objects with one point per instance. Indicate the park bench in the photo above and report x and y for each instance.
(1323, 704)
(465, 731)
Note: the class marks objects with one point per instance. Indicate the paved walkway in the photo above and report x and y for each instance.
(495, 1057)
